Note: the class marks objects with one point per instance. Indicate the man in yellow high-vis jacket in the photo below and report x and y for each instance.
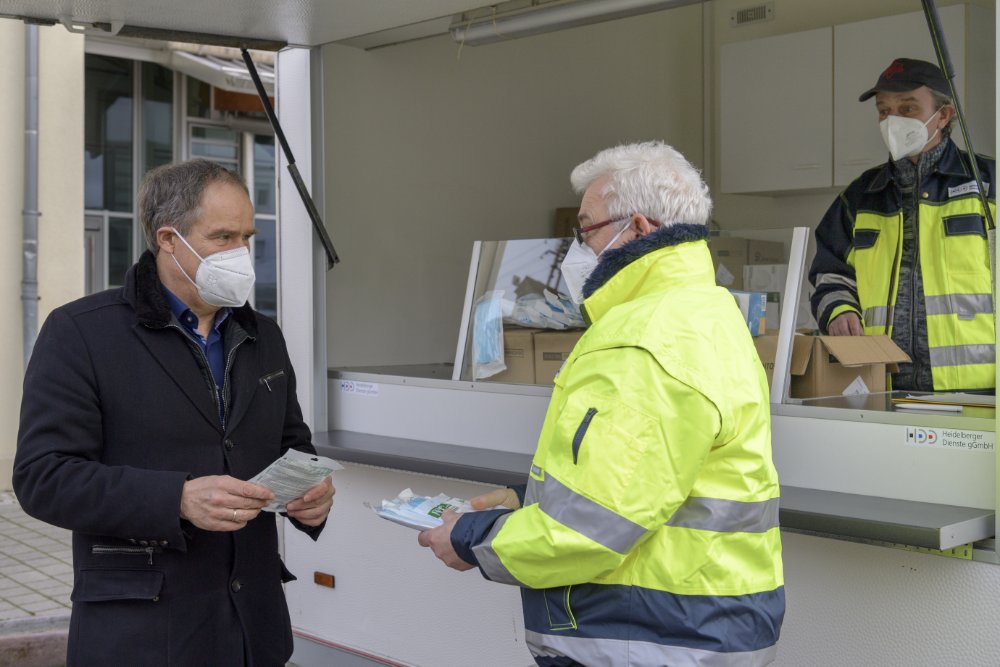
(648, 534)
(903, 251)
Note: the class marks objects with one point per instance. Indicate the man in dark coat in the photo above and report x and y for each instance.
(144, 409)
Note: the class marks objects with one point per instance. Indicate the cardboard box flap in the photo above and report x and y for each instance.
(861, 350)
(801, 353)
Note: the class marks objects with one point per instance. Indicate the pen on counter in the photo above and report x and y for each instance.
(944, 407)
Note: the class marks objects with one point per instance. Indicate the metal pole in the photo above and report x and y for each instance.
(944, 60)
(29, 243)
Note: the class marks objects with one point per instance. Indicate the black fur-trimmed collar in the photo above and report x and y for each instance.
(615, 260)
(144, 291)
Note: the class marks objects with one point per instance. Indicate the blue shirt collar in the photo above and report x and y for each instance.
(186, 317)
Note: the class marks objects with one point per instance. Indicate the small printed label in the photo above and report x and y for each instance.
(949, 438)
(361, 388)
(856, 388)
(966, 188)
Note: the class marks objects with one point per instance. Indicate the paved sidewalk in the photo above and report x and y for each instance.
(36, 566)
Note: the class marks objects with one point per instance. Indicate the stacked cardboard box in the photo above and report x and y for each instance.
(730, 254)
(534, 356)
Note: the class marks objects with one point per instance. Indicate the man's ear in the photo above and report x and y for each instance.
(166, 239)
(945, 116)
(641, 225)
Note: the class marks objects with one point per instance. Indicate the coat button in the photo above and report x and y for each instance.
(164, 543)
(236, 586)
(925, 195)
(229, 443)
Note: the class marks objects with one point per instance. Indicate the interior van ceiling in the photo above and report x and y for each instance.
(268, 24)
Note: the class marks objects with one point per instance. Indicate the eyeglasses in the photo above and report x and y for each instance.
(578, 232)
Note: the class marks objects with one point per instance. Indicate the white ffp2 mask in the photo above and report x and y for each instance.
(224, 279)
(580, 261)
(905, 137)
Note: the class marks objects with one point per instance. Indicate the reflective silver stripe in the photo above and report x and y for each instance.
(488, 559)
(532, 493)
(962, 355)
(967, 305)
(616, 652)
(836, 279)
(827, 301)
(535, 470)
(588, 518)
(876, 317)
(726, 516)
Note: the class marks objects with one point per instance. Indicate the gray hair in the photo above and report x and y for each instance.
(650, 178)
(170, 196)
(940, 101)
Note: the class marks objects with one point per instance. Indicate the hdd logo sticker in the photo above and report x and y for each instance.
(921, 436)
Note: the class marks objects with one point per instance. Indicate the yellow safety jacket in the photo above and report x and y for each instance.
(857, 264)
(649, 534)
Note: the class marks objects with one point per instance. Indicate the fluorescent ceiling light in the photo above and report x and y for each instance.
(547, 18)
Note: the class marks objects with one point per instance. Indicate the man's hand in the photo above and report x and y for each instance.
(846, 324)
(314, 505)
(498, 497)
(222, 503)
(439, 540)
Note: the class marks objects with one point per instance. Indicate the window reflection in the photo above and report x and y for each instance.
(108, 133)
(265, 256)
(157, 115)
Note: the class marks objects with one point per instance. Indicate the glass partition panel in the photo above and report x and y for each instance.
(519, 325)
(515, 291)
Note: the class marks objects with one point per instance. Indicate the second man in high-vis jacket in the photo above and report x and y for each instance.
(648, 534)
(903, 251)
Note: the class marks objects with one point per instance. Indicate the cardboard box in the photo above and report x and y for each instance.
(831, 365)
(753, 305)
(729, 256)
(518, 355)
(552, 348)
(765, 252)
(768, 278)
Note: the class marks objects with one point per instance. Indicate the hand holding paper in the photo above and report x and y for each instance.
(293, 476)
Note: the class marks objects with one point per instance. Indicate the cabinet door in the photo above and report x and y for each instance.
(776, 111)
(861, 51)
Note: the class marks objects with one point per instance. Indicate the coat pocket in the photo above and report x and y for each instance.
(582, 431)
(104, 585)
(271, 379)
(865, 238)
(960, 225)
(557, 608)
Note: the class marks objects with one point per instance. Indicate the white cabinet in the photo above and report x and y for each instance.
(777, 112)
(790, 119)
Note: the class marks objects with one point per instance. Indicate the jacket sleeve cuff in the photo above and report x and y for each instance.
(471, 529)
(838, 311)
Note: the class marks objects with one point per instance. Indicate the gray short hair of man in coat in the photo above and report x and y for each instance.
(170, 196)
(650, 178)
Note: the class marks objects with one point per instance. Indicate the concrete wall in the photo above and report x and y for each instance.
(60, 261)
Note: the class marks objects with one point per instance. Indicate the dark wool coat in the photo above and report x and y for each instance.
(118, 412)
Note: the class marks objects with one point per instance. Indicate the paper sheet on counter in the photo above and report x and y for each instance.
(292, 475)
(955, 398)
